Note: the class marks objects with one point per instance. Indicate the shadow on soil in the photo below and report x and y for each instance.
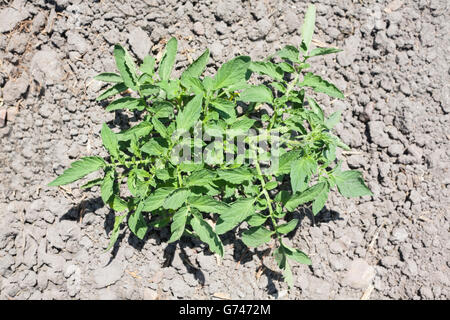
(241, 254)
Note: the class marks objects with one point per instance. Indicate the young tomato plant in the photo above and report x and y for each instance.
(176, 180)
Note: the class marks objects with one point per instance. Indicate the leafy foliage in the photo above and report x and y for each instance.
(212, 196)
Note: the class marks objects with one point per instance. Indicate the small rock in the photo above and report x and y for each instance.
(15, 89)
(395, 149)
(5, 263)
(377, 134)
(149, 294)
(46, 68)
(54, 239)
(350, 52)
(359, 275)
(140, 42)
(54, 261)
(107, 294)
(217, 50)
(179, 288)
(426, 293)
(198, 28)
(207, 262)
(389, 261)
(109, 275)
(9, 18)
(399, 234)
(292, 21)
(415, 197)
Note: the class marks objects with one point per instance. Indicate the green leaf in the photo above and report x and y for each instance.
(296, 255)
(110, 141)
(267, 68)
(308, 195)
(287, 227)
(236, 175)
(333, 120)
(107, 187)
(241, 125)
(153, 148)
(108, 77)
(156, 199)
(126, 66)
(193, 84)
(308, 26)
(289, 53)
(198, 66)
(116, 89)
(320, 85)
(190, 114)
(256, 236)
(351, 184)
(115, 232)
(200, 178)
(117, 204)
(138, 131)
(148, 65)
(281, 259)
(126, 103)
(90, 184)
(286, 67)
(78, 170)
(236, 213)
(316, 108)
(149, 90)
(257, 94)
(206, 234)
(271, 185)
(137, 223)
(231, 72)
(168, 59)
(160, 128)
(226, 106)
(301, 172)
(284, 165)
(178, 224)
(322, 51)
(320, 200)
(256, 220)
(207, 204)
(176, 199)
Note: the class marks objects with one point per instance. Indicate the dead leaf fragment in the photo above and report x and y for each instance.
(222, 295)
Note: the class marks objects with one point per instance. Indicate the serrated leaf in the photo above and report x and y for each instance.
(110, 140)
(286, 67)
(281, 259)
(301, 172)
(271, 185)
(308, 195)
(148, 65)
(115, 232)
(207, 204)
(190, 114)
(126, 67)
(115, 89)
(149, 90)
(287, 227)
(320, 85)
(117, 204)
(284, 163)
(333, 120)
(168, 59)
(256, 236)
(193, 84)
(200, 178)
(137, 223)
(156, 199)
(256, 220)
(108, 77)
(241, 125)
(231, 72)
(92, 183)
(140, 130)
(323, 51)
(106, 189)
(296, 255)
(235, 214)
(178, 224)
(159, 127)
(153, 148)
(267, 68)
(289, 53)
(236, 175)
(256, 94)
(320, 200)
(206, 234)
(308, 26)
(351, 184)
(126, 103)
(78, 170)
(226, 106)
(316, 108)
(198, 66)
(176, 199)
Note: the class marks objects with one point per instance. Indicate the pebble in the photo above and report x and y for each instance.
(9, 18)
(140, 42)
(109, 275)
(359, 275)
